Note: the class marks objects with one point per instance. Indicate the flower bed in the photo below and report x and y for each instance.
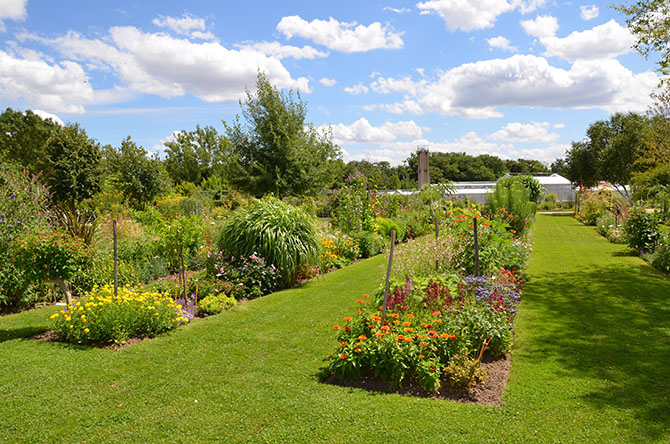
(435, 330)
(100, 317)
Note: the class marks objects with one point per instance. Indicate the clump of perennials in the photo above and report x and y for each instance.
(102, 318)
(435, 330)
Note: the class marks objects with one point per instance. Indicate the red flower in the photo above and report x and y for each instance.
(362, 338)
(347, 319)
(336, 327)
(343, 356)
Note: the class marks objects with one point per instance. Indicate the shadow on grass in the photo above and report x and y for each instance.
(611, 324)
(21, 332)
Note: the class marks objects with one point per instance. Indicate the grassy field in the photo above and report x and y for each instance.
(591, 364)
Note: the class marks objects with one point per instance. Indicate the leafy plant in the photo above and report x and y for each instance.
(641, 230)
(661, 256)
(283, 235)
(217, 303)
(251, 276)
(369, 243)
(464, 371)
(101, 317)
(510, 202)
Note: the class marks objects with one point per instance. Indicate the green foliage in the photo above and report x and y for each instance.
(283, 235)
(180, 238)
(661, 257)
(511, 201)
(534, 187)
(72, 168)
(251, 276)
(24, 205)
(194, 156)
(22, 139)
(594, 204)
(100, 317)
(369, 243)
(385, 226)
(140, 178)
(641, 230)
(81, 222)
(464, 371)
(48, 255)
(355, 205)
(275, 150)
(217, 303)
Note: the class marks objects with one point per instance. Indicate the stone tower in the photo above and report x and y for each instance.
(424, 175)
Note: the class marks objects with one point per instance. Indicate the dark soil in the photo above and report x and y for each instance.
(50, 336)
(490, 392)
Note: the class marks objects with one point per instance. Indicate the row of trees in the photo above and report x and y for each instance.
(270, 148)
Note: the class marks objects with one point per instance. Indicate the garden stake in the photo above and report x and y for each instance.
(476, 249)
(116, 273)
(479, 359)
(437, 234)
(388, 276)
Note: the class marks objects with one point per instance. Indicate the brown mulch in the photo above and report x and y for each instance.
(490, 392)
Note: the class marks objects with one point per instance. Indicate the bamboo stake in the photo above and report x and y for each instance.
(388, 277)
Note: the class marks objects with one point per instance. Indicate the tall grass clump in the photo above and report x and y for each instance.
(284, 235)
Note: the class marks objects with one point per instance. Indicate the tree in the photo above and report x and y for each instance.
(649, 21)
(526, 166)
(141, 178)
(194, 156)
(22, 138)
(560, 166)
(72, 167)
(581, 164)
(275, 150)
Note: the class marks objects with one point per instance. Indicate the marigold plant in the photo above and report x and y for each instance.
(101, 317)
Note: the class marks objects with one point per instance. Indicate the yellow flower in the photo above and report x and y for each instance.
(67, 318)
(86, 330)
(53, 316)
(71, 326)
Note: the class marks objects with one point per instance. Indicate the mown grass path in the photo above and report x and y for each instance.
(591, 364)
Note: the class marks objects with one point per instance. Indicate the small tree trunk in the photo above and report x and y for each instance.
(68, 295)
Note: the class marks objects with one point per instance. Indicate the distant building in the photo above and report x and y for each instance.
(476, 191)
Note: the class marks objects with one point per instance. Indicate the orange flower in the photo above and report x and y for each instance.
(452, 337)
(385, 328)
(432, 367)
(511, 216)
(406, 324)
(421, 356)
(381, 307)
(380, 335)
(432, 333)
(362, 338)
(512, 231)
(358, 312)
(437, 321)
(411, 316)
(396, 322)
(343, 356)
(347, 328)
(343, 344)
(336, 327)
(367, 302)
(409, 340)
(422, 345)
(434, 349)
(357, 350)
(360, 301)
(444, 336)
(347, 319)
(408, 329)
(365, 296)
(437, 313)
(329, 358)
(401, 338)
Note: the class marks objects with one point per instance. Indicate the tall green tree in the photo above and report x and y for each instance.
(274, 150)
(194, 156)
(139, 176)
(72, 166)
(22, 138)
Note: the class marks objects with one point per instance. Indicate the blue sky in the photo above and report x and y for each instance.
(513, 78)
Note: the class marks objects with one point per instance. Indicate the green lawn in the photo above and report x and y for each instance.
(591, 364)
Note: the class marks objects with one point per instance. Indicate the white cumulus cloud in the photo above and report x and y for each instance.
(328, 82)
(603, 41)
(356, 89)
(525, 132)
(362, 131)
(588, 12)
(470, 15)
(501, 42)
(45, 115)
(12, 10)
(341, 36)
(279, 51)
(541, 26)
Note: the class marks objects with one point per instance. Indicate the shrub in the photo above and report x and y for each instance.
(355, 205)
(661, 256)
(464, 371)
(338, 251)
(594, 204)
(216, 303)
(283, 235)
(641, 229)
(369, 243)
(24, 205)
(100, 317)
(251, 276)
(385, 226)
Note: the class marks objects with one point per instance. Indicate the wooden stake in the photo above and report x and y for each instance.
(116, 259)
(476, 248)
(388, 277)
(437, 235)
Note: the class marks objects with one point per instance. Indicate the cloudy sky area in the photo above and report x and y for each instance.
(513, 78)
